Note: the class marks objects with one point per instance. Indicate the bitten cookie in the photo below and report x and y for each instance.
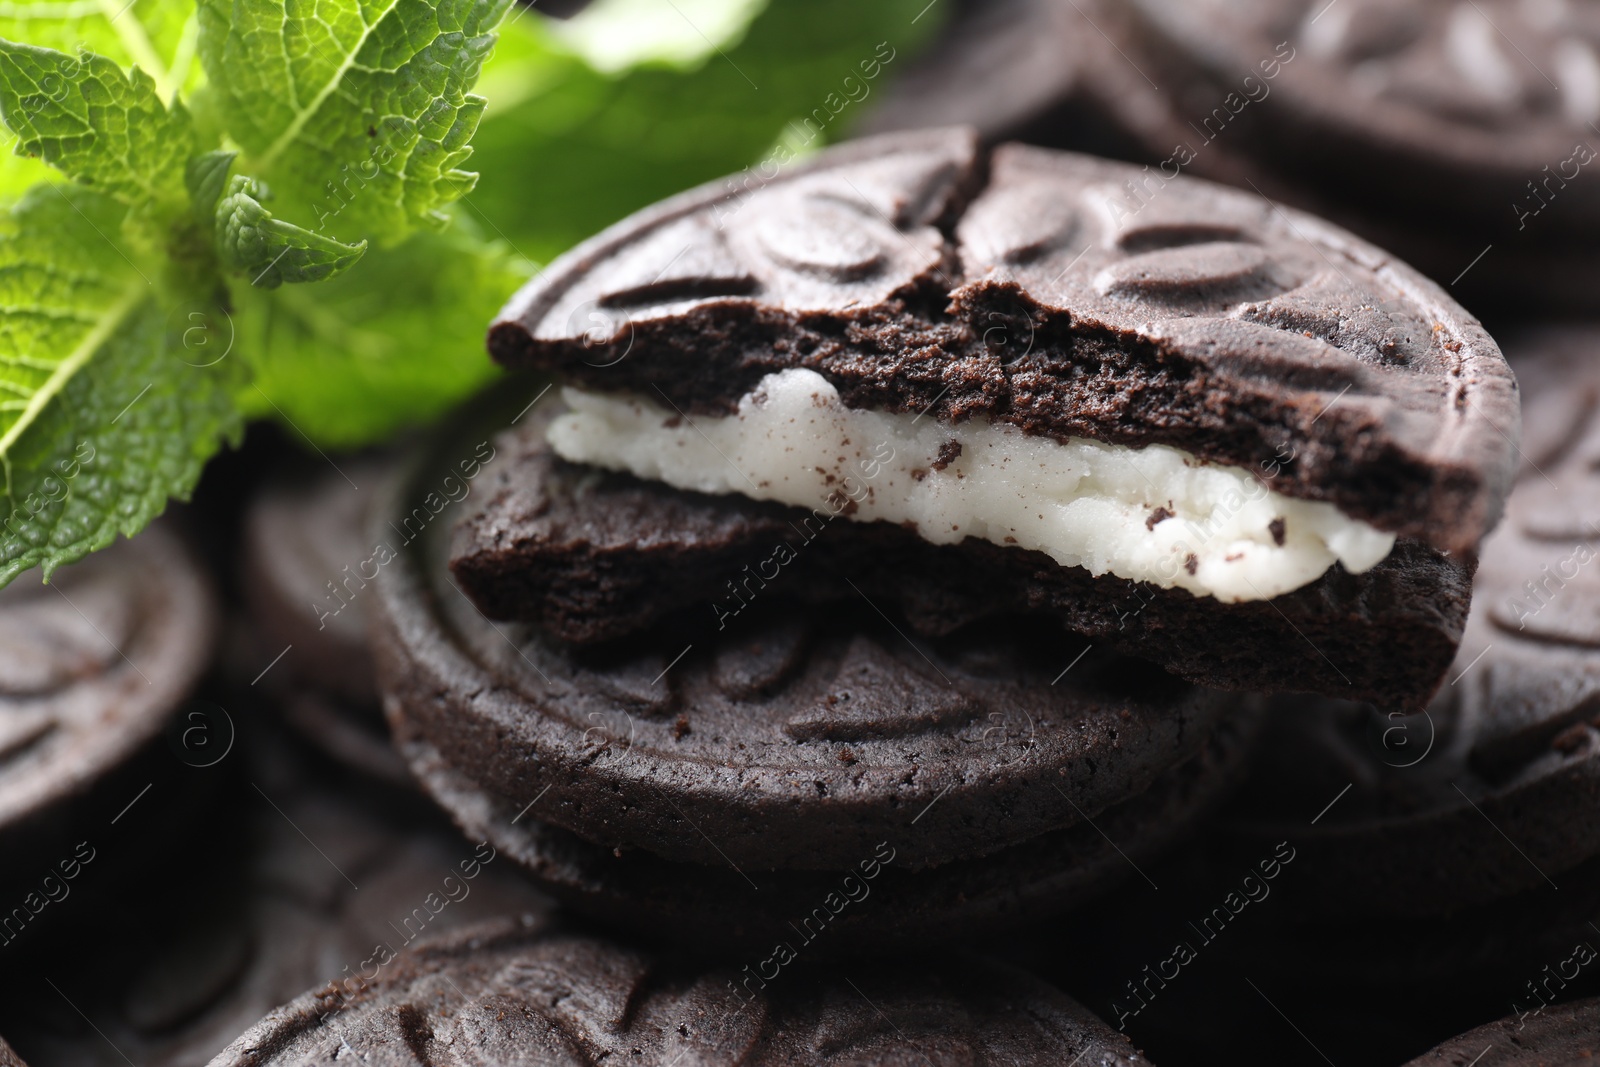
(1196, 397)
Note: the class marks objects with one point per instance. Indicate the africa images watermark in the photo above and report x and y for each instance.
(53, 888)
(340, 993)
(53, 490)
(853, 889)
(1538, 593)
(452, 490)
(802, 133)
(843, 500)
(1252, 889)
(1542, 194)
(1546, 987)
(1139, 192)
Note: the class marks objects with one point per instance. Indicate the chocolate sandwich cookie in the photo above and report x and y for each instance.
(1491, 792)
(1012, 70)
(531, 993)
(876, 903)
(1274, 437)
(661, 776)
(298, 884)
(1443, 129)
(93, 666)
(307, 571)
(595, 556)
(1455, 134)
(1567, 1035)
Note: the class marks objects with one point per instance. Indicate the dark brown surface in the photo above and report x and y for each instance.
(807, 740)
(1418, 125)
(1457, 134)
(876, 904)
(1199, 317)
(92, 667)
(306, 559)
(1494, 791)
(593, 557)
(795, 739)
(293, 881)
(1464, 102)
(513, 994)
(1566, 1035)
(1021, 70)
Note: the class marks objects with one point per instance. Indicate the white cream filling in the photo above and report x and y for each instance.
(1154, 514)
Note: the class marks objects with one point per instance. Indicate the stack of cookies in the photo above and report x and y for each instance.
(908, 549)
(936, 561)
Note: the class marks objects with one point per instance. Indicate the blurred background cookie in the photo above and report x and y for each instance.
(104, 755)
(292, 882)
(1564, 1036)
(306, 575)
(1455, 134)
(534, 993)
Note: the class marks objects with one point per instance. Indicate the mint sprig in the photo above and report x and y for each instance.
(357, 113)
(105, 411)
(270, 250)
(140, 298)
(223, 209)
(99, 125)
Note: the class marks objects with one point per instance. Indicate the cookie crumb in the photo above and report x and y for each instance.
(1276, 528)
(949, 452)
(1191, 563)
(680, 728)
(1158, 515)
(1571, 740)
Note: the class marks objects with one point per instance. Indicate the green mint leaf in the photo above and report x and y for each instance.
(158, 36)
(567, 148)
(97, 124)
(205, 176)
(357, 113)
(18, 174)
(270, 251)
(104, 414)
(397, 341)
(613, 35)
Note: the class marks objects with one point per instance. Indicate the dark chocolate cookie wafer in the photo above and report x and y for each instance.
(906, 331)
(1454, 131)
(298, 884)
(534, 994)
(802, 742)
(874, 904)
(595, 557)
(1462, 101)
(795, 739)
(307, 568)
(1567, 1035)
(92, 667)
(1492, 791)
